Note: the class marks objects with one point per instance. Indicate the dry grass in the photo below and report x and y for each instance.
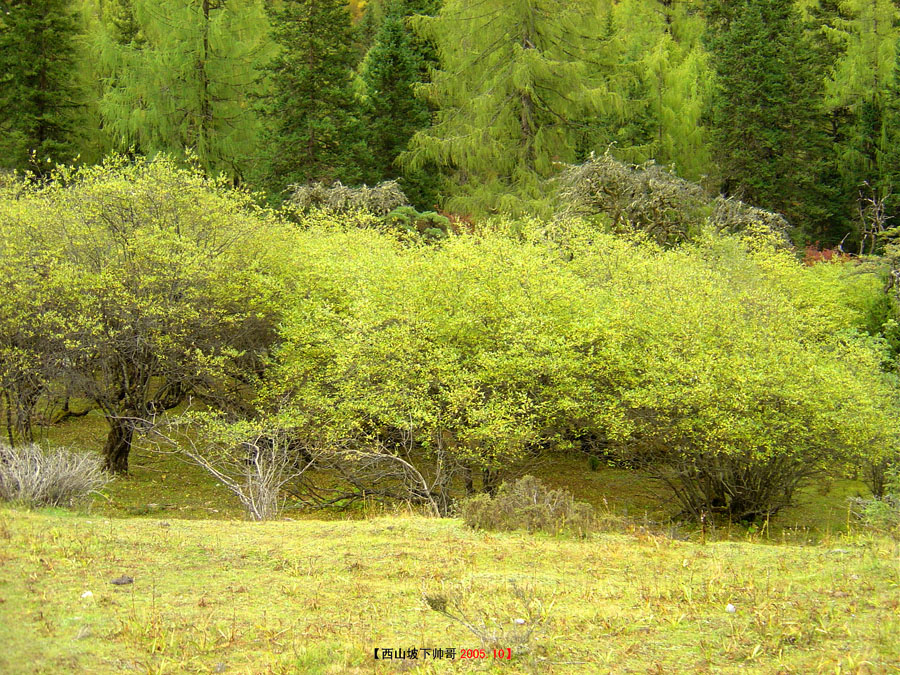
(33, 476)
(318, 597)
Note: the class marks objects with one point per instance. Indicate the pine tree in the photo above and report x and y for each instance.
(768, 126)
(397, 62)
(514, 94)
(38, 97)
(315, 133)
(180, 77)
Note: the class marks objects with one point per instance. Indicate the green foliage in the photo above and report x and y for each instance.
(863, 100)
(440, 355)
(428, 226)
(746, 383)
(314, 134)
(38, 97)
(396, 64)
(719, 365)
(528, 505)
(515, 84)
(657, 62)
(767, 110)
(152, 282)
(180, 75)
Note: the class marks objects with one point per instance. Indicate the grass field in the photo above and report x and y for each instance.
(215, 593)
(320, 596)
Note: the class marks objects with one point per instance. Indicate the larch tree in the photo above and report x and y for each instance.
(38, 96)
(314, 131)
(767, 123)
(517, 86)
(671, 82)
(181, 75)
(860, 93)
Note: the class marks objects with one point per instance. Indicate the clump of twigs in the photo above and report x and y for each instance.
(516, 617)
(378, 200)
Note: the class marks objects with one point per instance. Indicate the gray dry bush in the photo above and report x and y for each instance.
(379, 199)
(59, 477)
(529, 505)
(514, 617)
(651, 199)
(881, 512)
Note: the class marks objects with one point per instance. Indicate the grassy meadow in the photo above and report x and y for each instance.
(318, 593)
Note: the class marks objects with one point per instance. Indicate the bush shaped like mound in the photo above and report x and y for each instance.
(527, 504)
(36, 477)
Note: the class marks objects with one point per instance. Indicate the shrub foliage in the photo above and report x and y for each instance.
(712, 359)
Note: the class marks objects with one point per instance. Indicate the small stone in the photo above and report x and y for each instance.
(165, 524)
(731, 609)
(521, 622)
(87, 594)
(123, 580)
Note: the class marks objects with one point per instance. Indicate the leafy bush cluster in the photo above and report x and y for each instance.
(361, 367)
(36, 477)
(724, 367)
(132, 286)
(429, 226)
(527, 504)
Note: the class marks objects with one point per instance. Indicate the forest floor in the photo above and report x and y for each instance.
(215, 593)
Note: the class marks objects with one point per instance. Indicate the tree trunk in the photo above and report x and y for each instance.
(469, 480)
(490, 481)
(9, 419)
(118, 445)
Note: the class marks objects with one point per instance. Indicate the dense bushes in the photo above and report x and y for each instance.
(740, 386)
(725, 367)
(722, 366)
(36, 477)
(133, 286)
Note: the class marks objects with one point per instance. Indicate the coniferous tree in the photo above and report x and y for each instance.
(397, 62)
(766, 113)
(38, 96)
(315, 133)
(671, 84)
(514, 94)
(368, 17)
(859, 95)
(180, 76)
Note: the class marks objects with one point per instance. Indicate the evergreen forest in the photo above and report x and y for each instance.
(472, 106)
